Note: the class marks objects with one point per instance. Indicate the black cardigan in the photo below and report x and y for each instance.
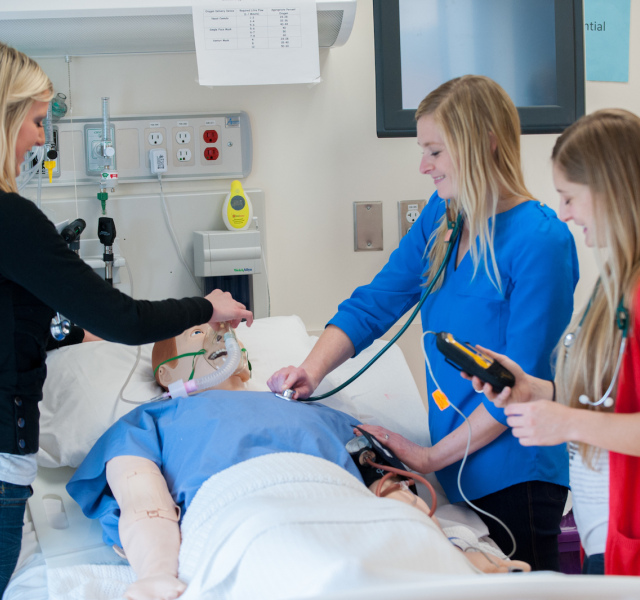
(39, 274)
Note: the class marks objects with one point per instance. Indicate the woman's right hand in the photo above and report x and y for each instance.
(293, 378)
(225, 308)
(522, 391)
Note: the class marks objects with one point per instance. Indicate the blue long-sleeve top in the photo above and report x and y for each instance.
(538, 266)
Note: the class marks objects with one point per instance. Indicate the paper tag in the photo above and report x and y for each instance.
(440, 399)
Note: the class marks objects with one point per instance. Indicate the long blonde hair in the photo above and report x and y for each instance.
(602, 151)
(473, 113)
(22, 82)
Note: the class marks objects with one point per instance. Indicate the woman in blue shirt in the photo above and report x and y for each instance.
(509, 284)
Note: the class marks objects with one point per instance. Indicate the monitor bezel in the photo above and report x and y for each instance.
(394, 121)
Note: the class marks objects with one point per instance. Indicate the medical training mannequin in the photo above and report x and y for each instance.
(40, 275)
(510, 280)
(152, 544)
(596, 166)
(148, 523)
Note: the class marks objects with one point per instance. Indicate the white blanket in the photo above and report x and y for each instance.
(297, 526)
(286, 526)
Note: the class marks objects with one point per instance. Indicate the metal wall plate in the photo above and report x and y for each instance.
(367, 226)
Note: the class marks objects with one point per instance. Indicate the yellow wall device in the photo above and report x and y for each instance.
(237, 211)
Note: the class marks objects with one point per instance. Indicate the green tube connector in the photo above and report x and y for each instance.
(103, 197)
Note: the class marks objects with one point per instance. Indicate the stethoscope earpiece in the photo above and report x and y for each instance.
(607, 402)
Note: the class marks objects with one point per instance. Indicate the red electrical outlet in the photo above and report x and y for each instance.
(211, 153)
(210, 136)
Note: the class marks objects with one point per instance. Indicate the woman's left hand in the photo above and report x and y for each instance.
(539, 423)
(413, 455)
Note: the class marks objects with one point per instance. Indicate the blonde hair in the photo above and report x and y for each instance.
(602, 151)
(22, 82)
(473, 114)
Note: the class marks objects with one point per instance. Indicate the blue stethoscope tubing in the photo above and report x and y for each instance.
(451, 243)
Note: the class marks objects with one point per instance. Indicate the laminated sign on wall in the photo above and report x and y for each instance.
(256, 42)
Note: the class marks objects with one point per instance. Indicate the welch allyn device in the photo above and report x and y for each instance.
(464, 357)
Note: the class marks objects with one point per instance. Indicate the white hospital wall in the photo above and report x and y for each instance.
(315, 153)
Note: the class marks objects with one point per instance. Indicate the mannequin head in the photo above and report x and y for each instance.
(193, 340)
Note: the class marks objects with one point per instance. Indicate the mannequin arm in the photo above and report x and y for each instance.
(148, 527)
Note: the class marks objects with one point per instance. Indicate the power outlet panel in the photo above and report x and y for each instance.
(198, 146)
(408, 213)
(184, 148)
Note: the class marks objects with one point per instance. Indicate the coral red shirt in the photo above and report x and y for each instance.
(622, 556)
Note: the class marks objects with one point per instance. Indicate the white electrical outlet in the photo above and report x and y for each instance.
(155, 138)
(408, 213)
(183, 137)
(184, 155)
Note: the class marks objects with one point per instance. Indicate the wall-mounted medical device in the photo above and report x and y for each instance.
(229, 261)
(227, 253)
(75, 28)
(198, 146)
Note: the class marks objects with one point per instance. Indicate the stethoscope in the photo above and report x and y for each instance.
(622, 321)
(454, 229)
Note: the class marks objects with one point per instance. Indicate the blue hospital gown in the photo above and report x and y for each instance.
(192, 438)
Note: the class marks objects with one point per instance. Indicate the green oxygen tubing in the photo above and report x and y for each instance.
(456, 226)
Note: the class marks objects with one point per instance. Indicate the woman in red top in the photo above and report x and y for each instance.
(596, 164)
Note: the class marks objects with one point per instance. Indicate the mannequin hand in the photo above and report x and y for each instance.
(293, 378)
(225, 308)
(521, 391)
(416, 457)
(539, 423)
(159, 587)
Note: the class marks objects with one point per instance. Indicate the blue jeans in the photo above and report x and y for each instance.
(593, 565)
(13, 499)
(532, 510)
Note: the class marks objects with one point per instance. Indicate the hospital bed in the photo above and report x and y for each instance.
(91, 385)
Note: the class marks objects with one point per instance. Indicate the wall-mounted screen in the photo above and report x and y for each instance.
(533, 48)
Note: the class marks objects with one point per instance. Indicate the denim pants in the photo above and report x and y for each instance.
(593, 565)
(532, 510)
(13, 499)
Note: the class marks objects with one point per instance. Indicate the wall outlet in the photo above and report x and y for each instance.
(183, 137)
(408, 213)
(155, 138)
(184, 155)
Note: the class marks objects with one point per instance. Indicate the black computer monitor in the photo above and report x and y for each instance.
(533, 48)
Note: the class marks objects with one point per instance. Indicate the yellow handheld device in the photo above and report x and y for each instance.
(237, 211)
(464, 357)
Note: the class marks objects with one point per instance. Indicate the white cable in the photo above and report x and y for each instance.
(466, 451)
(120, 396)
(174, 239)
